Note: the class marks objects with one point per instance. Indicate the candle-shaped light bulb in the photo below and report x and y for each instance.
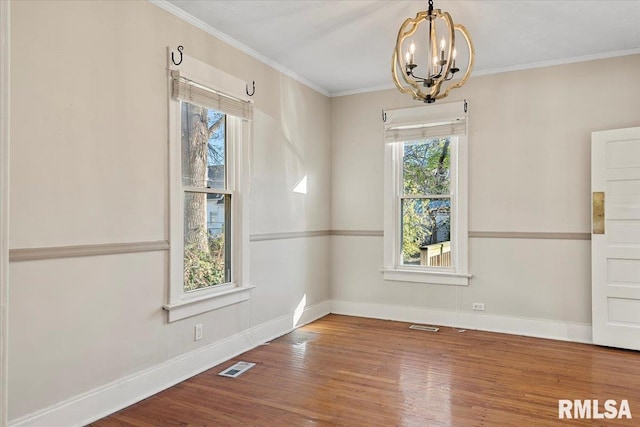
(412, 51)
(435, 65)
(407, 57)
(443, 43)
(454, 57)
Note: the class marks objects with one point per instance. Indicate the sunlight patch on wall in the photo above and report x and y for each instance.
(297, 313)
(301, 186)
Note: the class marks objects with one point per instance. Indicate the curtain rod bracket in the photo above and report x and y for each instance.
(384, 117)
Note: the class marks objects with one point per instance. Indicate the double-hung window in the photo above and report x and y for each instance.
(425, 227)
(208, 158)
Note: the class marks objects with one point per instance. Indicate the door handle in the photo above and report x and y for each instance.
(598, 212)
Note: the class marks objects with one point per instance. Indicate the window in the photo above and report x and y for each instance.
(206, 245)
(208, 148)
(426, 195)
(425, 202)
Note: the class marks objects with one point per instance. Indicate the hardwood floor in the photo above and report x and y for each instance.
(353, 371)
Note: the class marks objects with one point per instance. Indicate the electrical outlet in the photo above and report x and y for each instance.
(478, 306)
(197, 332)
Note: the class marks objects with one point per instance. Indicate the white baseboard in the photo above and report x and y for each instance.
(574, 332)
(102, 401)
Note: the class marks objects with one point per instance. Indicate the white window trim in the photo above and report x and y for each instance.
(186, 304)
(393, 270)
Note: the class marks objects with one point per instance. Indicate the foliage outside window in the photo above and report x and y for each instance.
(426, 202)
(207, 202)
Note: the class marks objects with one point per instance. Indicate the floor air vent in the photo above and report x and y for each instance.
(237, 369)
(424, 328)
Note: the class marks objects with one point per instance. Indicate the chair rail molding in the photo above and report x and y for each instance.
(35, 254)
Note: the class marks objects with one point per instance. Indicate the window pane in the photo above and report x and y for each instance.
(426, 167)
(426, 232)
(206, 240)
(203, 147)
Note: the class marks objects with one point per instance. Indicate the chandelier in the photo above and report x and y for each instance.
(440, 57)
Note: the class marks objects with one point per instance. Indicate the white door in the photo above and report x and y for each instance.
(615, 239)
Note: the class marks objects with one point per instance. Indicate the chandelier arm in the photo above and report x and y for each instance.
(472, 58)
(415, 23)
(396, 81)
(417, 78)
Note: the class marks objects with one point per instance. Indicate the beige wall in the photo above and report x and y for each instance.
(529, 161)
(89, 166)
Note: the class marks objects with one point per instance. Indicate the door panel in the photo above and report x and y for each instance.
(615, 170)
(624, 311)
(623, 272)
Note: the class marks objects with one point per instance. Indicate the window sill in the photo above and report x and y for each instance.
(212, 301)
(432, 277)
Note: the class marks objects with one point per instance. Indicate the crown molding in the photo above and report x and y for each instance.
(498, 70)
(364, 90)
(174, 10)
(555, 62)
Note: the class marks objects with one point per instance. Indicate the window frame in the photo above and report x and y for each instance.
(393, 269)
(182, 304)
(401, 196)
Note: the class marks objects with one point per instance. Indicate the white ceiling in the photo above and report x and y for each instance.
(345, 46)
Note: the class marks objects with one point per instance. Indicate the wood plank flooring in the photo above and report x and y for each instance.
(352, 371)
